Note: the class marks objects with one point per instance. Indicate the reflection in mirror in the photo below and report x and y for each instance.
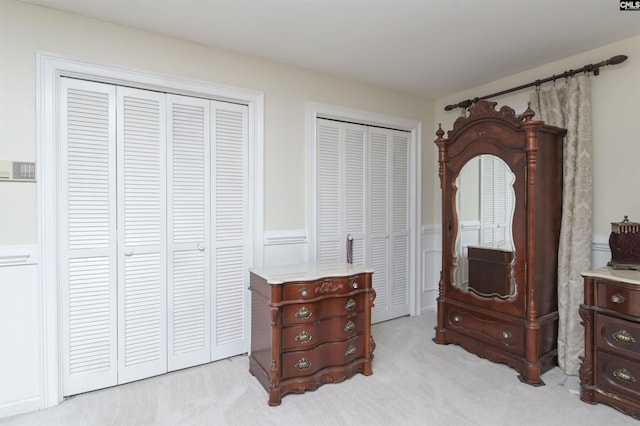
(485, 202)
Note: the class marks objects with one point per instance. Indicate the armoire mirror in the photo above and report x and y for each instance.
(485, 202)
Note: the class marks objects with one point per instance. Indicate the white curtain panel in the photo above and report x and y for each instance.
(568, 105)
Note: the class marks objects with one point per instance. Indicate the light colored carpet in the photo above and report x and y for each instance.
(414, 382)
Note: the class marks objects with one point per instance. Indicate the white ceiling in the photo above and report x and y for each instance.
(428, 47)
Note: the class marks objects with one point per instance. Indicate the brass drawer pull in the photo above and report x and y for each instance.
(624, 375)
(353, 285)
(351, 305)
(303, 364)
(506, 334)
(350, 351)
(350, 326)
(617, 298)
(623, 336)
(304, 292)
(457, 318)
(303, 337)
(303, 313)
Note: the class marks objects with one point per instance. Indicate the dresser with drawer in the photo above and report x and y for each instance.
(610, 370)
(310, 325)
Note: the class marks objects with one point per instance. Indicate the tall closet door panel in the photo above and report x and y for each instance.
(328, 193)
(231, 244)
(189, 245)
(389, 206)
(399, 225)
(342, 174)
(87, 236)
(379, 152)
(142, 228)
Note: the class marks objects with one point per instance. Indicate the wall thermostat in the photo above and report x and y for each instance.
(17, 171)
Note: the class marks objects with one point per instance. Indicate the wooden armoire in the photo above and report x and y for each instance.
(497, 295)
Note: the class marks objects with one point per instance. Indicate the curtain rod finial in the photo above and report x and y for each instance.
(618, 59)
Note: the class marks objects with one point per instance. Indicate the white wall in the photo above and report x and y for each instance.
(26, 29)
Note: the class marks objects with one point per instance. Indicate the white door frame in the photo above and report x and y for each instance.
(318, 110)
(50, 67)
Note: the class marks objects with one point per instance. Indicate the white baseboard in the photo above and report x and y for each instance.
(20, 407)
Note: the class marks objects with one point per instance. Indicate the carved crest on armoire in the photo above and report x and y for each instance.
(501, 180)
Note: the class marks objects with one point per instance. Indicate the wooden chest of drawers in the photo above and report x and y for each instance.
(610, 370)
(310, 325)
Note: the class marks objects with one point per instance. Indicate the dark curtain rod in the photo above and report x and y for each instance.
(594, 68)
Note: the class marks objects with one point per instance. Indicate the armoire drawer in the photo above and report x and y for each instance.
(486, 328)
(309, 362)
(618, 375)
(306, 313)
(618, 336)
(617, 298)
(311, 289)
(299, 337)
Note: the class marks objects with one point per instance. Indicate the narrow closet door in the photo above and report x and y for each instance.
(379, 153)
(388, 208)
(142, 228)
(189, 245)
(231, 245)
(87, 235)
(341, 184)
(399, 225)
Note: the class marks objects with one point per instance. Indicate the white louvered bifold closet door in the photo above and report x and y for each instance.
(155, 234)
(142, 227)
(189, 245)
(362, 191)
(231, 234)
(88, 235)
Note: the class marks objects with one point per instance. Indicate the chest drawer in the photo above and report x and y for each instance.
(306, 313)
(618, 336)
(309, 362)
(306, 290)
(618, 375)
(299, 337)
(494, 331)
(618, 298)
